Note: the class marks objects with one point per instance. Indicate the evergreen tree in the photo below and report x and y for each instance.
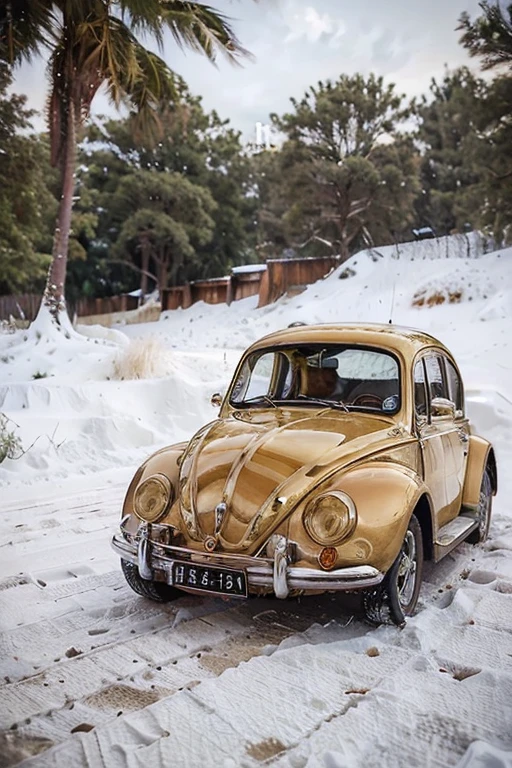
(449, 123)
(169, 217)
(26, 204)
(345, 175)
(489, 151)
(489, 36)
(198, 146)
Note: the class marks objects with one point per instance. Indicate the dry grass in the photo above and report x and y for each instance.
(424, 299)
(141, 359)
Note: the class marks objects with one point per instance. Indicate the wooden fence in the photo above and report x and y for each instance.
(279, 277)
(24, 306)
(108, 305)
(284, 275)
(246, 282)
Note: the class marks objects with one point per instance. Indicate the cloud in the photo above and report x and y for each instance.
(310, 25)
(298, 42)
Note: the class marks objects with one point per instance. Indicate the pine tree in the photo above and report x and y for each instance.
(450, 119)
(489, 36)
(345, 176)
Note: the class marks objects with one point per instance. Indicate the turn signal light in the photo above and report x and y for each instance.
(327, 557)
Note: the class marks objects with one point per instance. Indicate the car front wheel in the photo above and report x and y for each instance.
(397, 596)
(153, 590)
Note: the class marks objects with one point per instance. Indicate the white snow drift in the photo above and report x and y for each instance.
(188, 685)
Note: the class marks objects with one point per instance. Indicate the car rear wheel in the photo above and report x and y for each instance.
(153, 590)
(397, 596)
(484, 510)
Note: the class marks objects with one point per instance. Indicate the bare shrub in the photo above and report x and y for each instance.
(10, 444)
(141, 359)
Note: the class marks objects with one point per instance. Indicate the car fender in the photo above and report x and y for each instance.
(480, 456)
(385, 495)
(166, 462)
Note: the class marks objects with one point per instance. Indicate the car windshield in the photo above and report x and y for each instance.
(348, 377)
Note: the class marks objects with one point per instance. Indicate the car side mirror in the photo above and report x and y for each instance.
(216, 400)
(441, 406)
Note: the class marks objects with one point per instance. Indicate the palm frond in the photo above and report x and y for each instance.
(155, 83)
(202, 29)
(154, 87)
(144, 17)
(108, 49)
(25, 28)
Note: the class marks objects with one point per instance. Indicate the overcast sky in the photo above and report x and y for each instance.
(295, 43)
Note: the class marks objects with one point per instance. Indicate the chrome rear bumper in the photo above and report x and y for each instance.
(156, 561)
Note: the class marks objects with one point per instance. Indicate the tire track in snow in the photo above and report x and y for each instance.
(124, 652)
(137, 681)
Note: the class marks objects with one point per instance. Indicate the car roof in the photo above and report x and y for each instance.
(406, 341)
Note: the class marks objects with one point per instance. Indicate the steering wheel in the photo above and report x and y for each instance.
(368, 401)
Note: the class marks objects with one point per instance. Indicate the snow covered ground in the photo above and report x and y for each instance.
(92, 675)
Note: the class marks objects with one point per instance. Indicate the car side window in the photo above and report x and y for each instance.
(436, 378)
(454, 387)
(256, 382)
(420, 392)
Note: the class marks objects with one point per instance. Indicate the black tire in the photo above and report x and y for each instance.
(484, 510)
(153, 590)
(397, 596)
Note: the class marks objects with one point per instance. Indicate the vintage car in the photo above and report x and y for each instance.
(342, 458)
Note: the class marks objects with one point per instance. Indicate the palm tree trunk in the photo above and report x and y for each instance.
(54, 297)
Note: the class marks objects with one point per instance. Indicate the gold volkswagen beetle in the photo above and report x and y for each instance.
(342, 458)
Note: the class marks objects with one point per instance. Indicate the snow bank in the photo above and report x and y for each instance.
(343, 695)
(60, 391)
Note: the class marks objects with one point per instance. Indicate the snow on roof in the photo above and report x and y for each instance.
(248, 268)
(210, 280)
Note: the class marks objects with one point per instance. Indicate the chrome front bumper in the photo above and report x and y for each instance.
(155, 562)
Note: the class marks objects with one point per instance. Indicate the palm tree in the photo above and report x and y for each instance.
(95, 43)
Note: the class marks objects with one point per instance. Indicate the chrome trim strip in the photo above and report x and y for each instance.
(260, 571)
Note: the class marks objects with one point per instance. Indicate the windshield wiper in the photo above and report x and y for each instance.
(258, 398)
(338, 404)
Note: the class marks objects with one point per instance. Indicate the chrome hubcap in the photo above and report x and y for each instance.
(407, 570)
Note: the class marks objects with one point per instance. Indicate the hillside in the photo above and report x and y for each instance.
(91, 675)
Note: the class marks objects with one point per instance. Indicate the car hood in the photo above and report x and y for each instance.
(259, 466)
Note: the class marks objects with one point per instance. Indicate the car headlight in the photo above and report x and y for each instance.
(330, 518)
(152, 497)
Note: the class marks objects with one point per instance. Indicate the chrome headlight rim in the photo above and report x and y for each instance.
(165, 485)
(351, 511)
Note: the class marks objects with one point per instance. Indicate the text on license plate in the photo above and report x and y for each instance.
(220, 580)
